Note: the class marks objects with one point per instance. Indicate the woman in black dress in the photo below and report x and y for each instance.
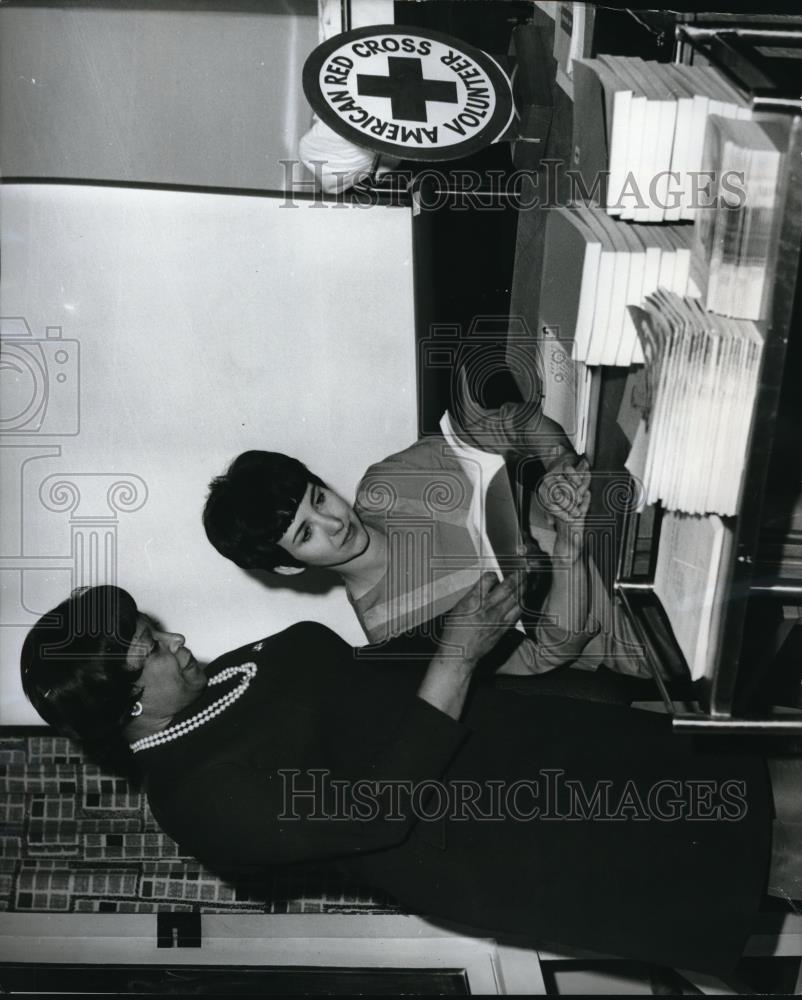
(575, 823)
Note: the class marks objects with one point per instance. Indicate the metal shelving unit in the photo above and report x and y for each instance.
(727, 48)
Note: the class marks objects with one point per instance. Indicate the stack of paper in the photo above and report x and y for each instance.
(593, 268)
(566, 387)
(492, 520)
(733, 235)
(701, 381)
(644, 122)
(573, 29)
(692, 560)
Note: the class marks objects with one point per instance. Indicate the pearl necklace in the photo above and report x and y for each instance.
(182, 728)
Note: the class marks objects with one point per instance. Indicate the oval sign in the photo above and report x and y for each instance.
(410, 92)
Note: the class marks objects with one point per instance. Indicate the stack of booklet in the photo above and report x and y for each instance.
(492, 519)
(702, 375)
(594, 267)
(644, 123)
(732, 236)
(690, 579)
(567, 386)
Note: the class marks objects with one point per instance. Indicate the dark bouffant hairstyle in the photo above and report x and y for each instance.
(74, 669)
(252, 504)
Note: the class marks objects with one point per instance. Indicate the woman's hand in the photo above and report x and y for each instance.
(480, 618)
(470, 630)
(564, 491)
(565, 494)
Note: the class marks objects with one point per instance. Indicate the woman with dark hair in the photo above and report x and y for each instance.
(75, 669)
(574, 823)
(408, 560)
(251, 504)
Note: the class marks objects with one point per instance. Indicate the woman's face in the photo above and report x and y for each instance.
(171, 677)
(325, 530)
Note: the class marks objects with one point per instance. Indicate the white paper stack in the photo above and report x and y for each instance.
(702, 375)
(655, 129)
(732, 237)
(566, 388)
(692, 560)
(492, 501)
(572, 30)
(594, 268)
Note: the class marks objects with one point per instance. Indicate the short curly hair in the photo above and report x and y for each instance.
(74, 666)
(252, 504)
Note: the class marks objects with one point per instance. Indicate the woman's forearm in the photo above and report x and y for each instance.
(514, 429)
(472, 628)
(446, 682)
(568, 599)
(549, 443)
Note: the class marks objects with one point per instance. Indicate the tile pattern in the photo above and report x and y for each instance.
(76, 840)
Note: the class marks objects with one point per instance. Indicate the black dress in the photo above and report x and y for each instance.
(575, 823)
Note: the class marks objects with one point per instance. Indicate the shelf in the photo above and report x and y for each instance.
(724, 706)
(747, 529)
(735, 51)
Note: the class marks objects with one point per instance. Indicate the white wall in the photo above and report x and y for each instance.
(170, 97)
(206, 325)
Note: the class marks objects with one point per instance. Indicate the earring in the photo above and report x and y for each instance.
(136, 709)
